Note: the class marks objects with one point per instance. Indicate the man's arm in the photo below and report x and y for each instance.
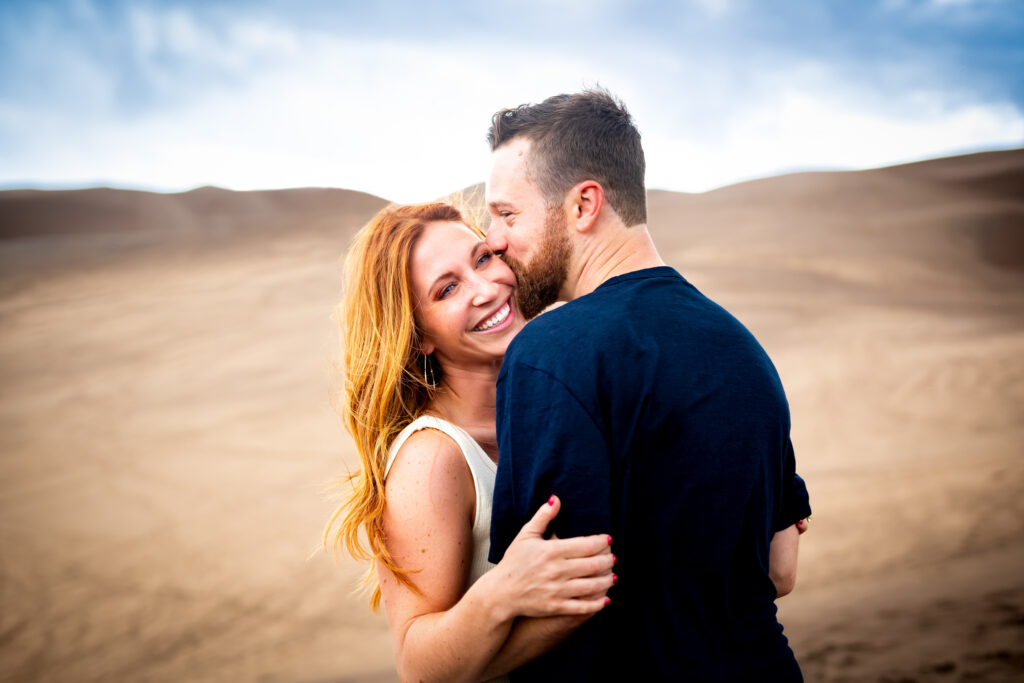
(794, 504)
(549, 443)
(794, 509)
(782, 556)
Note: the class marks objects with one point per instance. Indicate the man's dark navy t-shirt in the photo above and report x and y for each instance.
(657, 418)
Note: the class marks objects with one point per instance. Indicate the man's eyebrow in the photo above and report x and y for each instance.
(498, 204)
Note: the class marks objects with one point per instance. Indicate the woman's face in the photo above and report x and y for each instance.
(465, 303)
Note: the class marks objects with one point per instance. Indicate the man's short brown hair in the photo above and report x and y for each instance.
(586, 135)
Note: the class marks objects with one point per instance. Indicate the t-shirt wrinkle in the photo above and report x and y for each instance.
(568, 390)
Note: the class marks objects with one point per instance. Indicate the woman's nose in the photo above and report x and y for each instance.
(486, 292)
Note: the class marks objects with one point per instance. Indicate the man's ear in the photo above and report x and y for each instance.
(587, 201)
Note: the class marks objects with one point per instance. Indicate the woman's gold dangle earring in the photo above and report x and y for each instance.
(428, 380)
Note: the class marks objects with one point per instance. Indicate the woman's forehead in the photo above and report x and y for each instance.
(449, 228)
(441, 246)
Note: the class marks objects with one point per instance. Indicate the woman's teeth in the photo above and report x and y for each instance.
(495, 319)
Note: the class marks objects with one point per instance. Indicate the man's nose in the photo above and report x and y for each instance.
(496, 238)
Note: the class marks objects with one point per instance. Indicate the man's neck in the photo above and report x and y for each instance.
(622, 251)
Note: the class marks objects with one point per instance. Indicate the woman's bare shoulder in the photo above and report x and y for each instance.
(430, 473)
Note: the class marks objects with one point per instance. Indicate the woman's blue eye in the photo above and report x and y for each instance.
(484, 258)
(446, 291)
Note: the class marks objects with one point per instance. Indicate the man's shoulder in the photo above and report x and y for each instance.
(560, 333)
(607, 310)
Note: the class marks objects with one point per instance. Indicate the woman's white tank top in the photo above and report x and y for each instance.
(483, 470)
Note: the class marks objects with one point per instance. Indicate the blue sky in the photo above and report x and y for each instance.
(394, 98)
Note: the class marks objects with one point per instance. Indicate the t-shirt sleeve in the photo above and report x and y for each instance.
(796, 504)
(548, 443)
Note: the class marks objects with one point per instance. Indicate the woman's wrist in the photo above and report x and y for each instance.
(492, 602)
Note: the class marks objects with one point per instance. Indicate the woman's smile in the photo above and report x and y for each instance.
(466, 307)
(499, 320)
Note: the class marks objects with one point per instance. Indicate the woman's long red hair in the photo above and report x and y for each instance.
(385, 388)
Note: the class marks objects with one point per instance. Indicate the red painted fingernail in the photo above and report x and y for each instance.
(551, 500)
(615, 578)
(609, 540)
(614, 559)
(607, 600)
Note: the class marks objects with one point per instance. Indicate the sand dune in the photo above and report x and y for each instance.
(166, 428)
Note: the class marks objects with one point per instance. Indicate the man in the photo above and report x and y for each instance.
(653, 413)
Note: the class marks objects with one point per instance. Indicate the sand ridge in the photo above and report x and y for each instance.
(166, 427)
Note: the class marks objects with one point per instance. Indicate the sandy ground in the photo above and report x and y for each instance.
(166, 430)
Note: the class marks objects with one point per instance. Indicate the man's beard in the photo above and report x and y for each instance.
(541, 281)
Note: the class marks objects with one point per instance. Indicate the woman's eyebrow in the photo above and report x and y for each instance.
(449, 274)
(443, 276)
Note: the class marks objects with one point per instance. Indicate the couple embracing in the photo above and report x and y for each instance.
(606, 492)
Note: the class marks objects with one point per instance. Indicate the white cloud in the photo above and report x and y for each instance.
(407, 121)
(808, 129)
(390, 118)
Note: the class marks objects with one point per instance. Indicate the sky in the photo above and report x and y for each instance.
(395, 98)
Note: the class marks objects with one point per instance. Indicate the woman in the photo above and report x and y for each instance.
(428, 314)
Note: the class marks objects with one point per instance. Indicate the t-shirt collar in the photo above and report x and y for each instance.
(643, 274)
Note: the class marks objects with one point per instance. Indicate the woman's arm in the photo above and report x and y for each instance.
(530, 638)
(443, 631)
(533, 636)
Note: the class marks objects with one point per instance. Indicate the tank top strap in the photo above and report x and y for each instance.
(471, 450)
